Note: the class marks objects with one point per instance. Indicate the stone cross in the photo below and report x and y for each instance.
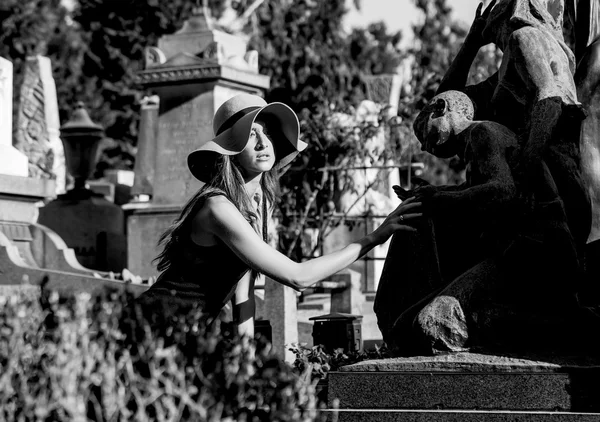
(12, 162)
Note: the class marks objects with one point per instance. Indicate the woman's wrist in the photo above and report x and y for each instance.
(371, 240)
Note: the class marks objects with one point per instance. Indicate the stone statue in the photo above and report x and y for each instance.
(582, 26)
(525, 252)
(502, 257)
(533, 94)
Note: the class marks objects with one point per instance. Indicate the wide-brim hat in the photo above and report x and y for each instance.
(232, 124)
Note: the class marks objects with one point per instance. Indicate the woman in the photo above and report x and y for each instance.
(215, 249)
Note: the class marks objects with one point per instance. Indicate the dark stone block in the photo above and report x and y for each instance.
(466, 381)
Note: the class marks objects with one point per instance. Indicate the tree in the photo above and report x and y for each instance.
(32, 27)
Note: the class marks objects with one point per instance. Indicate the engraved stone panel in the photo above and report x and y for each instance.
(31, 132)
(185, 122)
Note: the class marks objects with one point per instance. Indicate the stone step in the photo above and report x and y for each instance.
(377, 415)
(311, 306)
(465, 381)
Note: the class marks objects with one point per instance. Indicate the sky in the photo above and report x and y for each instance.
(399, 14)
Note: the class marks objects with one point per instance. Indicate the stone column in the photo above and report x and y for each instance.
(12, 161)
(145, 160)
(282, 312)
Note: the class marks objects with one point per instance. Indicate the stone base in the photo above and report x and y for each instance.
(13, 162)
(466, 382)
(16, 272)
(145, 223)
(19, 197)
(456, 416)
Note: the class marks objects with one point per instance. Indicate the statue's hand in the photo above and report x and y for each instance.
(421, 192)
(476, 33)
(402, 193)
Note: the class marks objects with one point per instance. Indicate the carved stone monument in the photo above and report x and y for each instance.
(31, 131)
(29, 251)
(500, 262)
(497, 265)
(582, 28)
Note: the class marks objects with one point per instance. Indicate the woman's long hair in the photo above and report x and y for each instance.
(227, 181)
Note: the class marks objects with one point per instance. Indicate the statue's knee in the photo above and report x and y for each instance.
(443, 324)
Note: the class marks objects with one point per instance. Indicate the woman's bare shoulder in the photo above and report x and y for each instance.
(209, 215)
(214, 208)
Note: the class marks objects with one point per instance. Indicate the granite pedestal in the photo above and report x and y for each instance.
(467, 387)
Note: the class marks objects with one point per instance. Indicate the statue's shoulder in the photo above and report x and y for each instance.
(491, 136)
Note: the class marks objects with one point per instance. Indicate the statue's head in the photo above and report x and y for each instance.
(438, 125)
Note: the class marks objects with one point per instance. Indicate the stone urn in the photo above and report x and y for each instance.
(81, 138)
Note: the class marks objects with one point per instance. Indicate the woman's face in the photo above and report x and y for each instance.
(259, 154)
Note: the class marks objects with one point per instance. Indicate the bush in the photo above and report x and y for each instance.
(316, 360)
(109, 358)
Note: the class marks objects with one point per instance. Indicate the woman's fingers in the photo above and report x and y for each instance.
(408, 201)
(404, 227)
(407, 207)
(405, 217)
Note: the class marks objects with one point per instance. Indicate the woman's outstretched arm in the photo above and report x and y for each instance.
(222, 219)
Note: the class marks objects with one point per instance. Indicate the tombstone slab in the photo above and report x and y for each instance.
(466, 381)
(12, 161)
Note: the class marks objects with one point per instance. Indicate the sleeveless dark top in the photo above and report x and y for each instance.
(204, 275)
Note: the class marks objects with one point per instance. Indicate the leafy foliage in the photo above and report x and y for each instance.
(108, 358)
(320, 363)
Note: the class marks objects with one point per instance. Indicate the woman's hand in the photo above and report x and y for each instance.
(398, 220)
(475, 35)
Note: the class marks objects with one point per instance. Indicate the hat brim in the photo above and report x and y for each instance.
(232, 141)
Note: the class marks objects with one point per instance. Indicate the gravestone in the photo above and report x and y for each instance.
(481, 302)
(31, 131)
(12, 161)
(30, 252)
(192, 72)
(466, 387)
(90, 224)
